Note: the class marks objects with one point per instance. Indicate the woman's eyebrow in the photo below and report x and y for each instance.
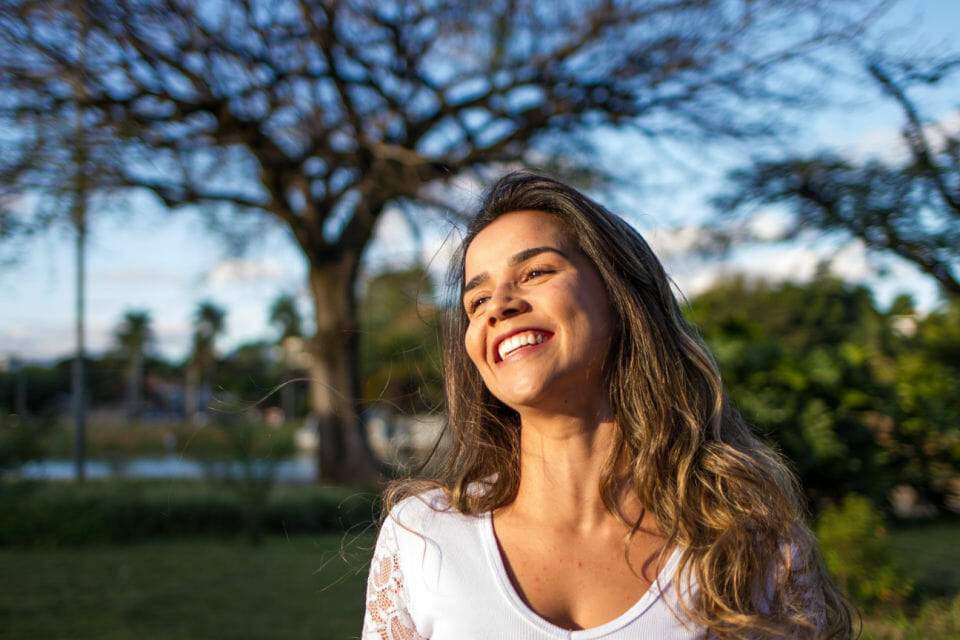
(515, 259)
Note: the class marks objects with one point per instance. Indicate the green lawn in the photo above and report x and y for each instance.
(198, 589)
(930, 551)
(303, 587)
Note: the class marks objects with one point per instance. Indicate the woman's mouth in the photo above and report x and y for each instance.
(520, 340)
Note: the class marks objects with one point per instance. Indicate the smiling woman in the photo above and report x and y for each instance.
(539, 318)
(600, 484)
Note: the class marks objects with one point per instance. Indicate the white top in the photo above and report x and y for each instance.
(438, 575)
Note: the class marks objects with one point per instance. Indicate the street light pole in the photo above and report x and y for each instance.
(79, 383)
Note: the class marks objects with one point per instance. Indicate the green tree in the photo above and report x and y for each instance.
(400, 343)
(795, 359)
(133, 336)
(208, 322)
(858, 553)
(922, 434)
(855, 405)
(285, 317)
(322, 114)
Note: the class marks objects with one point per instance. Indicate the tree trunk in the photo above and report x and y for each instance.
(135, 388)
(343, 455)
(191, 382)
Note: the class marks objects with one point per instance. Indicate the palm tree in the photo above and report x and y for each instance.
(134, 335)
(208, 322)
(285, 316)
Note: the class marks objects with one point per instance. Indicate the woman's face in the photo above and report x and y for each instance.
(539, 317)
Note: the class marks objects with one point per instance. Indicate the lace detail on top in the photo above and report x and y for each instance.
(386, 616)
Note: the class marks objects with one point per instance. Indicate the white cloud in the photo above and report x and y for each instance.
(676, 241)
(140, 276)
(772, 263)
(768, 225)
(887, 144)
(240, 270)
(48, 340)
(852, 262)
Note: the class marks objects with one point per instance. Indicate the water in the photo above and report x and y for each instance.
(301, 469)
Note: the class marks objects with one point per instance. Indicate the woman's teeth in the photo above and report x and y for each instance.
(513, 343)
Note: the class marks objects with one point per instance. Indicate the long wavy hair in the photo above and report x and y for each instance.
(716, 491)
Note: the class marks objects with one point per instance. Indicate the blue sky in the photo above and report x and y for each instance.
(141, 257)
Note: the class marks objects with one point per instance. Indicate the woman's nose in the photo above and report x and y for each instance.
(504, 303)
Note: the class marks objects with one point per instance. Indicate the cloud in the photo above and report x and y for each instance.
(138, 276)
(766, 226)
(241, 270)
(887, 145)
(676, 241)
(774, 262)
(44, 341)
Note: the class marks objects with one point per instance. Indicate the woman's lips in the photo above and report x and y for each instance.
(519, 340)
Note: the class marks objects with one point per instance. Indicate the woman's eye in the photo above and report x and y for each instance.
(475, 303)
(536, 273)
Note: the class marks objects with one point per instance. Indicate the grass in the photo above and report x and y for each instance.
(297, 587)
(931, 554)
(300, 587)
(122, 441)
(931, 551)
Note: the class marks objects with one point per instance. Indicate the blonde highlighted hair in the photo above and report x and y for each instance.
(715, 490)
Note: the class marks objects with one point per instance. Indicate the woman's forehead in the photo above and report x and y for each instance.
(515, 232)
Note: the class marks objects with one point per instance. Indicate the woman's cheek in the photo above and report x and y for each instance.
(471, 343)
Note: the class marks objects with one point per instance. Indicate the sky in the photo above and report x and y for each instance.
(141, 257)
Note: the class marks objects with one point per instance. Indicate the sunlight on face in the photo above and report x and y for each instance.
(539, 316)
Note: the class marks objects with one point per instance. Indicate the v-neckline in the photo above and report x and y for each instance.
(509, 591)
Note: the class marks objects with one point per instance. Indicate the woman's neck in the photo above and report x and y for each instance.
(561, 464)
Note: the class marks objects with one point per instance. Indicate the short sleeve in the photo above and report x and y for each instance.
(387, 616)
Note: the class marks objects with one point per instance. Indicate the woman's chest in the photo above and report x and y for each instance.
(578, 582)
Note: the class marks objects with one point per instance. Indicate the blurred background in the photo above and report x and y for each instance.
(224, 233)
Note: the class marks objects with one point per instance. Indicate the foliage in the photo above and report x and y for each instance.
(250, 472)
(792, 358)
(908, 207)
(134, 336)
(120, 442)
(936, 619)
(399, 351)
(855, 405)
(23, 438)
(285, 316)
(858, 553)
(923, 378)
(134, 332)
(51, 514)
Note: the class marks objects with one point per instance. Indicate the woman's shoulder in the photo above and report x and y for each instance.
(428, 511)
(419, 505)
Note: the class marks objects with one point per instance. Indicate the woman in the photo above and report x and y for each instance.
(599, 484)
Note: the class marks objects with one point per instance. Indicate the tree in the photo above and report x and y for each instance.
(855, 405)
(399, 351)
(285, 316)
(793, 358)
(321, 114)
(923, 437)
(208, 322)
(133, 336)
(909, 207)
